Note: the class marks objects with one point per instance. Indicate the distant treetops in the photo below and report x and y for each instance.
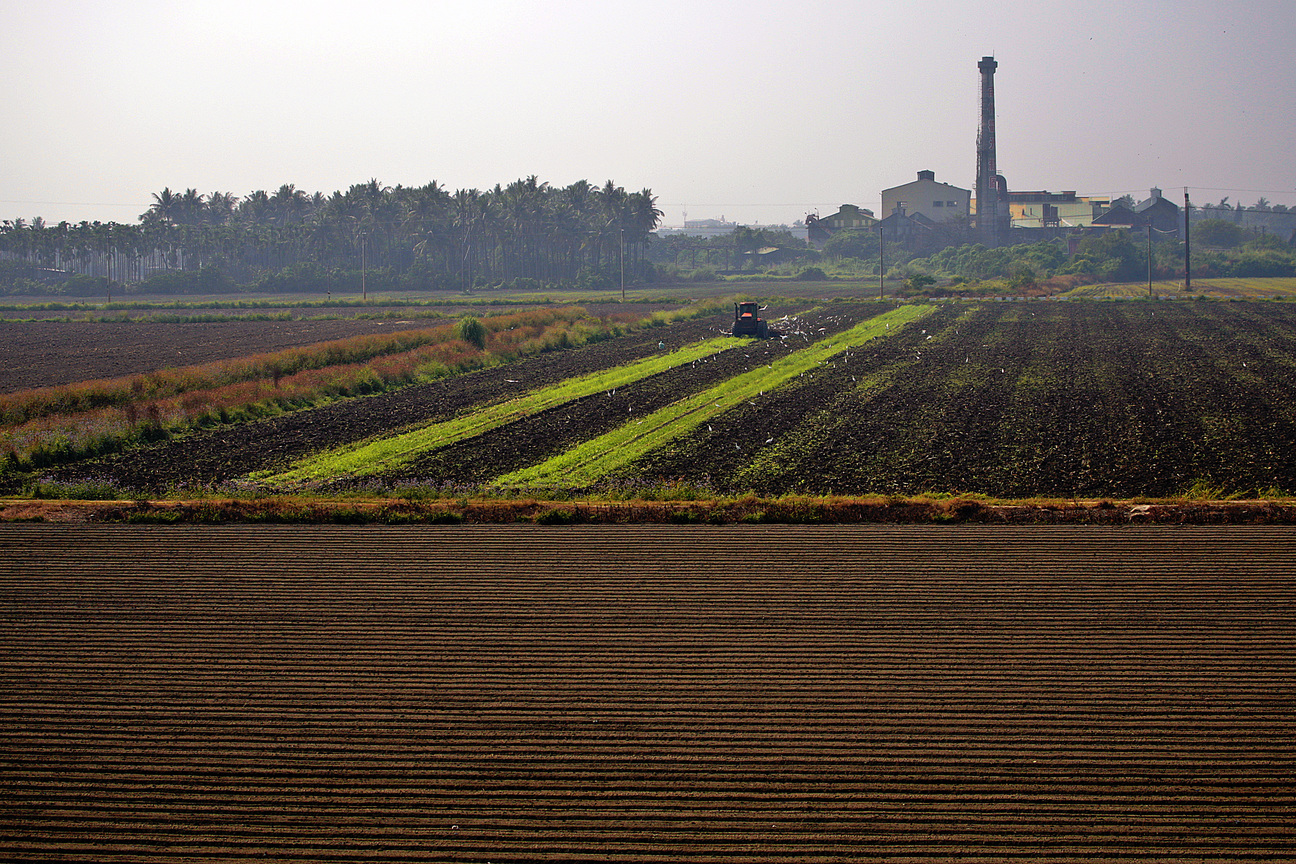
(525, 230)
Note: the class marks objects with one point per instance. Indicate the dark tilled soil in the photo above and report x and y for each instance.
(714, 453)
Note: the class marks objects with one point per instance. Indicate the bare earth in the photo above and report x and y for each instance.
(46, 353)
(647, 693)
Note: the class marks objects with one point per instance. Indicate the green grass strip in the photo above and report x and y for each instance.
(589, 461)
(383, 454)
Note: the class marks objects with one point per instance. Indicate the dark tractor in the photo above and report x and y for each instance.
(747, 321)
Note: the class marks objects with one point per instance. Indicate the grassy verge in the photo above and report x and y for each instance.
(387, 453)
(587, 462)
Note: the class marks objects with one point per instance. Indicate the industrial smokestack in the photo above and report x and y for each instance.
(987, 184)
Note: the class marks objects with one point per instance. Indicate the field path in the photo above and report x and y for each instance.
(647, 693)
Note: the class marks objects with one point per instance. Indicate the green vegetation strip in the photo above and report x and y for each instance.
(598, 457)
(384, 454)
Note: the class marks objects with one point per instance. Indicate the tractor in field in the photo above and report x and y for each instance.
(747, 321)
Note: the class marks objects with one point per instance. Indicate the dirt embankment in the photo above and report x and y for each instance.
(747, 510)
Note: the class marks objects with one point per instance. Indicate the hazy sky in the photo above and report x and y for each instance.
(750, 109)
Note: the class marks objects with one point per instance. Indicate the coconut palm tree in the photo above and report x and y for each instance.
(164, 207)
(288, 205)
(220, 208)
(190, 208)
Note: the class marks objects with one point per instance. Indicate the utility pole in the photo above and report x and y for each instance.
(1149, 227)
(622, 265)
(881, 266)
(364, 241)
(1187, 245)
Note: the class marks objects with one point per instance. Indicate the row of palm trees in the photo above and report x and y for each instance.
(527, 229)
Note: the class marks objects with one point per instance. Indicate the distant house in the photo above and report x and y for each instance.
(702, 228)
(936, 202)
(707, 228)
(848, 218)
(771, 255)
(918, 233)
(1119, 216)
(1161, 213)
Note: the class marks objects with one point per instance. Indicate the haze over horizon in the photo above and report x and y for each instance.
(755, 111)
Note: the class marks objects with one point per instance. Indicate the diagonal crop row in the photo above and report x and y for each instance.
(797, 444)
(390, 452)
(531, 440)
(794, 419)
(598, 457)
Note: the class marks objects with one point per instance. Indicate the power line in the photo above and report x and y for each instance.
(72, 203)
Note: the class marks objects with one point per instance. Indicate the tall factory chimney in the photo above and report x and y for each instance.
(988, 215)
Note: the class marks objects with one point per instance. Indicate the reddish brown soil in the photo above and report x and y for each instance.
(697, 694)
(46, 353)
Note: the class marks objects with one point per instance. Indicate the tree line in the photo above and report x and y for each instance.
(411, 237)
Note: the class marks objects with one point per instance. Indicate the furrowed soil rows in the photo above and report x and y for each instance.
(597, 458)
(1018, 399)
(686, 694)
(717, 453)
(537, 438)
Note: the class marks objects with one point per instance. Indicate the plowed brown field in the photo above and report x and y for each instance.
(705, 694)
(46, 353)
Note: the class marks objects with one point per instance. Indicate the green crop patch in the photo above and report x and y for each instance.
(383, 454)
(593, 459)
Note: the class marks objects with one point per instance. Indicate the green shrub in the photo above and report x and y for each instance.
(918, 282)
(90, 286)
(471, 330)
(557, 516)
(84, 490)
(1218, 233)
